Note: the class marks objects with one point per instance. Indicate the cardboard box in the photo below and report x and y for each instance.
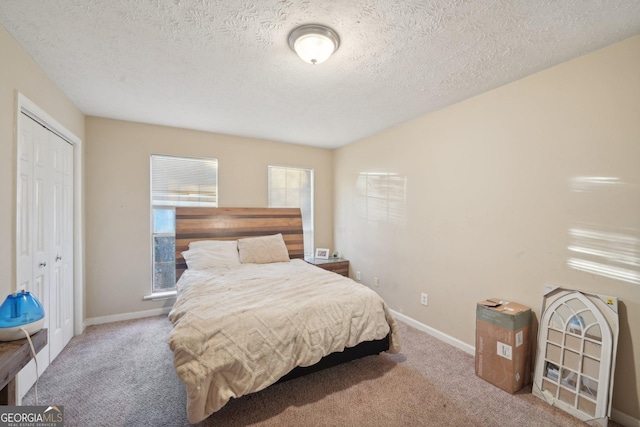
(503, 331)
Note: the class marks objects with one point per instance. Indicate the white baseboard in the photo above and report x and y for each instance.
(617, 416)
(436, 333)
(126, 316)
(624, 419)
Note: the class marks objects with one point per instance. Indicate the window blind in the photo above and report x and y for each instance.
(184, 181)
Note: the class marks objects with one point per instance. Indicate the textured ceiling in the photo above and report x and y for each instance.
(225, 66)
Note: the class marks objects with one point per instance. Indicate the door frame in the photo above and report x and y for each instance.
(28, 107)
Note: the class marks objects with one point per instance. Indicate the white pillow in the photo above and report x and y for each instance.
(263, 250)
(206, 254)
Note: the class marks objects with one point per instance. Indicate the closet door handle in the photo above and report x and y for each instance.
(58, 257)
(42, 264)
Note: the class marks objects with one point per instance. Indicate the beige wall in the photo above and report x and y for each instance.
(18, 73)
(118, 252)
(493, 186)
(491, 194)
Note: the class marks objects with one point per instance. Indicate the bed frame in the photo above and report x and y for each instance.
(237, 223)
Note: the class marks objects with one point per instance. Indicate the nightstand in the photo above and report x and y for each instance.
(14, 355)
(337, 265)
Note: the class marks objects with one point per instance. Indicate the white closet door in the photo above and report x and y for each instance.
(24, 203)
(33, 230)
(44, 236)
(41, 220)
(66, 306)
(56, 248)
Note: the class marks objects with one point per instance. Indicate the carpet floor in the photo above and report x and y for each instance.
(121, 374)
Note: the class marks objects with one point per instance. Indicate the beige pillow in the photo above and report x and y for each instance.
(263, 250)
(211, 254)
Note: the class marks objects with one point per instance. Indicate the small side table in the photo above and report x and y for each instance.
(337, 265)
(14, 355)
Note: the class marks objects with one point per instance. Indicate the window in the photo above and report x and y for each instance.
(293, 188)
(176, 181)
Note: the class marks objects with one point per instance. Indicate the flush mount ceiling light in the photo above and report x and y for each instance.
(314, 43)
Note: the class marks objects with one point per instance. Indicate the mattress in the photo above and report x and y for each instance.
(238, 330)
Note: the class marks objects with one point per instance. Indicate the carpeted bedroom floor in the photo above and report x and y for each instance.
(121, 374)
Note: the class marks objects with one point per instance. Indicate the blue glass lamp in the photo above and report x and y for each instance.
(20, 311)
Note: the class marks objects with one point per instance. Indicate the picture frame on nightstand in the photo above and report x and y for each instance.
(322, 253)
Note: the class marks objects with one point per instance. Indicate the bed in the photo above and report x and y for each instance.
(242, 325)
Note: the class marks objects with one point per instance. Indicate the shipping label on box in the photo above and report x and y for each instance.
(504, 350)
(502, 343)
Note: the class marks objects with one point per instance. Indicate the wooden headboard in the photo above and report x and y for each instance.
(236, 223)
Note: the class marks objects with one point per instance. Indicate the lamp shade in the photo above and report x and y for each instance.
(314, 43)
(20, 311)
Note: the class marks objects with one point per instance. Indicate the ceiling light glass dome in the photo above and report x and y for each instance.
(314, 43)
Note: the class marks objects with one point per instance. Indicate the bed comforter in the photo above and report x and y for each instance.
(239, 330)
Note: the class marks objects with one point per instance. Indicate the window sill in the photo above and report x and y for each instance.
(159, 296)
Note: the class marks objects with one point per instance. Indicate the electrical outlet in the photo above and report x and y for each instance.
(424, 299)
(376, 282)
(358, 276)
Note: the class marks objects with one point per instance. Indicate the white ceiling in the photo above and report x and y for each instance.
(225, 66)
